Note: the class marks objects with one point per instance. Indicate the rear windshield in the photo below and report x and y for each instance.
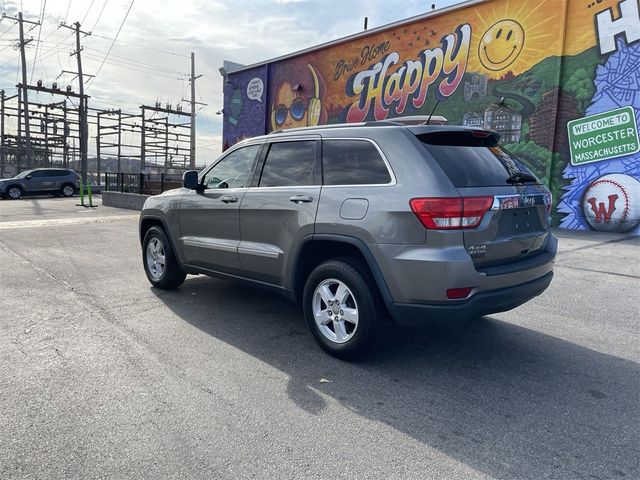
(472, 161)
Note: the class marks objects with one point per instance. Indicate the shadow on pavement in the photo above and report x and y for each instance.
(505, 400)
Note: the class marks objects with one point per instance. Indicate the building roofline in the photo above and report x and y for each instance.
(364, 33)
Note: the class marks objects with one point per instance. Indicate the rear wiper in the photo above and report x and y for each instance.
(522, 177)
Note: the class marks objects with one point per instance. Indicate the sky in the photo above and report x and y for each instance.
(149, 59)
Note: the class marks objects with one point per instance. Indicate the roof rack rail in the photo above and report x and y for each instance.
(319, 127)
(414, 120)
(404, 121)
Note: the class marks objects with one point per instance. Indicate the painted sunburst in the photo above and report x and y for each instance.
(513, 35)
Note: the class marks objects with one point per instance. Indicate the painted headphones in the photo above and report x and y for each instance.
(296, 109)
(315, 104)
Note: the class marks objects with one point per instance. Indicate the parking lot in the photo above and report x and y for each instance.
(102, 376)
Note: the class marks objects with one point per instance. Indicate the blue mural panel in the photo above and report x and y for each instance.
(244, 105)
(605, 195)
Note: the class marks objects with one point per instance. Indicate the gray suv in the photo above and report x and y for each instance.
(363, 224)
(56, 181)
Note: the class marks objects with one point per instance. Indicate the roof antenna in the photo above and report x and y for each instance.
(434, 109)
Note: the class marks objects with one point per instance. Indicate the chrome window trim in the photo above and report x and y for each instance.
(271, 141)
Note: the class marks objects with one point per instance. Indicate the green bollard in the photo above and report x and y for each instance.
(89, 194)
(81, 194)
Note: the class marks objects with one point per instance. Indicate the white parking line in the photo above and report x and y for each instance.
(54, 222)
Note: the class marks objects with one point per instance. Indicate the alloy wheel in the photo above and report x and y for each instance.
(335, 310)
(155, 258)
(15, 193)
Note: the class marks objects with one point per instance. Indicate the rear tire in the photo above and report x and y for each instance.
(160, 263)
(342, 308)
(67, 190)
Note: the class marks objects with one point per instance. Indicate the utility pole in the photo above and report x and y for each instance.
(2, 155)
(192, 80)
(84, 130)
(65, 134)
(98, 160)
(143, 150)
(120, 140)
(25, 98)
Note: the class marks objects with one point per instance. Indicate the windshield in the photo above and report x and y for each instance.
(24, 174)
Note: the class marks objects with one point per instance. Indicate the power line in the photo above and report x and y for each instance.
(88, 10)
(10, 27)
(99, 15)
(168, 52)
(136, 62)
(55, 47)
(132, 67)
(67, 14)
(38, 42)
(112, 43)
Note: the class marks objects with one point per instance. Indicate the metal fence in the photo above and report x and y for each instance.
(142, 183)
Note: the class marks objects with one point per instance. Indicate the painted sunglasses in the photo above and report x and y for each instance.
(297, 110)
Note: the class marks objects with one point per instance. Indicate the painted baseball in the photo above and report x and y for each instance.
(612, 203)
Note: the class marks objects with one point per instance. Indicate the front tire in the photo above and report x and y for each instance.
(342, 308)
(160, 263)
(14, 192)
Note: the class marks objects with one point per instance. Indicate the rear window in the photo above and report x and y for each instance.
(353, 162)
(472, 161)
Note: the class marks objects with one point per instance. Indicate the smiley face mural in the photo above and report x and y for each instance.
(501, 44)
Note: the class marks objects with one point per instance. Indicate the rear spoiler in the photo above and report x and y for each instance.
(460, 138)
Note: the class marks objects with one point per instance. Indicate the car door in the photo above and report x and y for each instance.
(209, 218)
(280, 207)
(57, 178)
(34, 182)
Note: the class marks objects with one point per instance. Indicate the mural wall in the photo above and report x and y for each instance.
(559, 79)
(244, 108)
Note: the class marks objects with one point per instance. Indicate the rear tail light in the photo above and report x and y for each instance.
(451, 213)
(458, 293)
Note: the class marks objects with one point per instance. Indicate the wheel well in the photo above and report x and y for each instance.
(314, 252)
(146, 224)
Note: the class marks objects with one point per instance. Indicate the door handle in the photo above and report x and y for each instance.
(229, 199)
(301, 199)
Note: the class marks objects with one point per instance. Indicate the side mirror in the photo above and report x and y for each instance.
(29, 177)
(190, 180)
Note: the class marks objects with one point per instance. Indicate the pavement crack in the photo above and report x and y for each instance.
(584, 269)
(42, 270)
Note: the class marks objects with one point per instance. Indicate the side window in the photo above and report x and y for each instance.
(289, 164)
(234, 170)
(352, 162)
(38, 174)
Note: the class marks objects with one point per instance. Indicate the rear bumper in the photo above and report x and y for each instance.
(482, 303)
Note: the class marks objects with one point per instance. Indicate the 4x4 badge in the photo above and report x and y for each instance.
(477, 251)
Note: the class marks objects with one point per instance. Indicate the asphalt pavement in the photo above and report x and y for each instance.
(102, 376)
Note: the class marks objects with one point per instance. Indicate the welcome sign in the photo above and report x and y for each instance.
(603, 136)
